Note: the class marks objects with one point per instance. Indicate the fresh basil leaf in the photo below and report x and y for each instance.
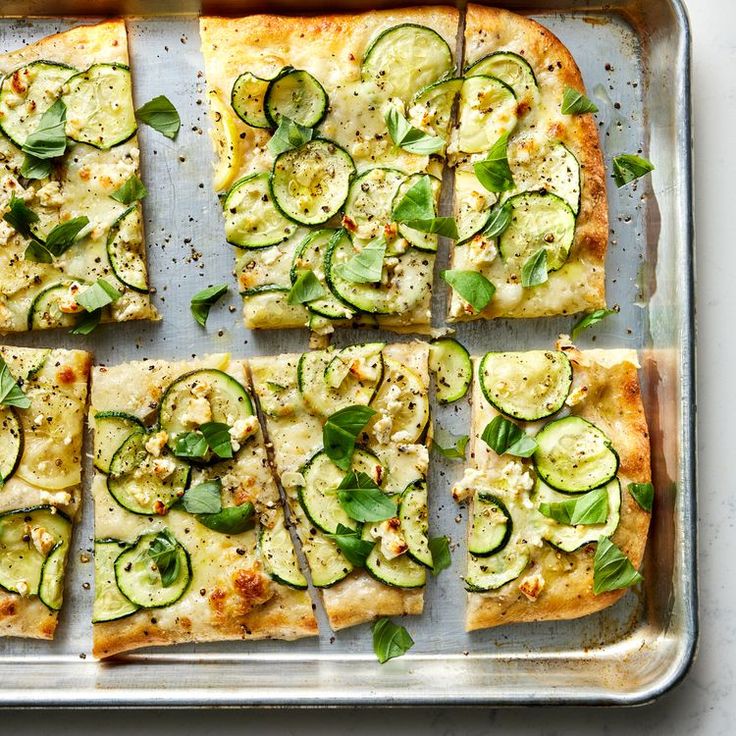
(576, 103)
(450, 445)
(417, 203)
(49, 138)
(191, 445)
(591, 319)
(306, 288)
(505, 437)
(231, 520)
(612, 569)
(355, 549)
(36, 168)
(363, 500)
(64, 235)
(165, 555)
(160, 115)
(472, 286)
(97, 296)
(87, 323)
(37, 253)
(341, 431)
(494, 172)
(366, 266)
(643, 494)
(203, 498)
(445, 226)
(534, 270)
(411, 139)
(390, 640)
(289, 135)
(217, 436)
(628, 167)
(499, 220)
(130, 191)
(441, 558)
(204, 300)
(589, 508)
(11, 393)
(20, 216)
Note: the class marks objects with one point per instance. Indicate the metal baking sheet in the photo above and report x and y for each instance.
(635, 61)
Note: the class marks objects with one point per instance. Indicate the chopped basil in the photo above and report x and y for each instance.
(493, 171)
(355, 549)
(390, 640)
(416, 210)
(612, 569)
(643, 494)
(628, 167)
(165, 555)
(11, 393)
(306, 288)
(218, 438)
(64, 235)
(441, 558)
(87, 323)
(231, 520)
(49, 138)
(204, 300)
(37, 253)
(191, 445)
(20, 216)
(450, 445)
(130, 191)
(576, 103)
(97, 296)
(506, 437)
(160, 115)
(499, 220)
(289, 135)
(36, 168)
(472, 286)
(411, 139)
(341, 431)
(366, 266)
(534, 270)
(590, 319)
(203, 498)
(363, 500)
(590, 508)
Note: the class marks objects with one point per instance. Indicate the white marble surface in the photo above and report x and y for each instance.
(705, 704)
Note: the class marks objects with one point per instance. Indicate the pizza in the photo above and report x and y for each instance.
(300, 395)
(190, 535)
(560, 448)
(66, 221)
(44, 395)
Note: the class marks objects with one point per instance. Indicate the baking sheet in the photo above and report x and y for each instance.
(635, 64)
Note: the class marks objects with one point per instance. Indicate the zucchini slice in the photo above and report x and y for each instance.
(112, 428)
(367, 209)
(530, 385)
(453, 371)
(405, 59)
(417, 238)
(136, 485)
(25, 365)
(247, 97)
(11, 442)
(487, 112)
(45, 312)
(278, 555)
(310, 184)
(574, 456)
(414, 518)
(51, 587)
(399, 572)
(511, 69)
(125, 250)
(99, 106)
(327, 564)
(251, 220)
(473, 203)
(297, 95)
(139, 579)
(538, 220)
(356, 370)
(109, 604)
(491, 525)
(494, 571)
(431, 108)
(26, 94)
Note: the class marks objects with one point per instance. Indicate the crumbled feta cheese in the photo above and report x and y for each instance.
(60, 498)
(68, 301)
(163, 467)
(241, 430)
(156, 443)
(532, 585)
(401, 436)
(43, 541)
(516, 478)
(50, 194)
(201, 389)
(382, 428)
(392, 540)
(467, 485)
(198, 412)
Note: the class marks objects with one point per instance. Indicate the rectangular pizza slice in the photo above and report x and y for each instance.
(349, 430)
(190, 541)
(560, 485)
(44, 395)
(530, 195)
(68, 148)
(329, 134)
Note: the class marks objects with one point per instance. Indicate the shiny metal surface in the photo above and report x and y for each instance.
(635, 60)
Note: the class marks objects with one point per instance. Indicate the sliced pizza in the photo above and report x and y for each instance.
(349, 430)
(191, 543)
(43, 395)
(71, 225)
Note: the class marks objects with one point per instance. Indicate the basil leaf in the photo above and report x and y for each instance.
(306, 288)
(289, 135)
(643, 494)
(64, 235)
(20, 216)
(612, 569)
(411, 139)
(11, 393)
(363, 500)
(355, 549)
(506, 437)
(231, 520)
(203, 498)
(204, 300)
(417, 203)
(441, 558)
(341, 431)
(37, 253)
(97, 296)
(590, 319)
(165, 555)
(499, 220)
(36, 168)
(390, 640)
(366, 266)
(191, 445)
(160, 115)
(628, 167)
(534, 270)
(493, 171)
(450, 445)
(590, 508)
(576, 103)
(49, 138)
(87, 323)
(217, 436)
(130, 191)
(445, 226)
(472, 286)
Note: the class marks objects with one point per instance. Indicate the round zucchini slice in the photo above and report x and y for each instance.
(11, 442)
(251, 220)
(297, 95)
(278, 555)
(310, 184)
(473, 204)
(27, 93)
(414, 518)
(574, 456)
(494, 571)
(431, 108)
(327, 564)
(46, 313)
(538, 220)
(367, 209)
(405, 59)
(139, 578)
(487, 112)
(453, 371)
(511, 69)
(247, 98)
(99, 106)
(530, 385)
(399, 572)
(491, 525)
(126, 252)
(112, 428)
(417, 238)
(51, 587)
(109, 604)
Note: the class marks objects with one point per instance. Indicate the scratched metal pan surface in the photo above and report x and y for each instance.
(635, 62)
